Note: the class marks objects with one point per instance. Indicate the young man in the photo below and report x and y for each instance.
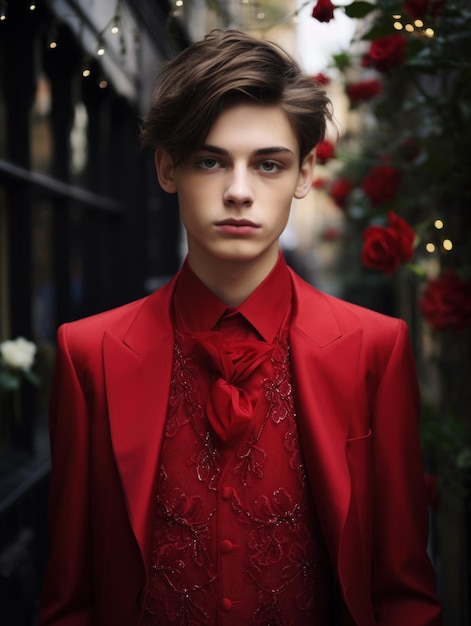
(236, 448)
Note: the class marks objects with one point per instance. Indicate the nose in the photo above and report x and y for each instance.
(238, 192)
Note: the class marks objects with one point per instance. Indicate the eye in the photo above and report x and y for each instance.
(269, 167)
(208, 163)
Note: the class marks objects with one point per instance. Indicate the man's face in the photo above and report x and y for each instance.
(235, 192)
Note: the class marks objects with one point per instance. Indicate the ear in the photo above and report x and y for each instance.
(165, 171)
(305, 175)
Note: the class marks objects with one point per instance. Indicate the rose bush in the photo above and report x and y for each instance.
(323, 11)
(363, 90)
(386, 52)
(381, 184)
(420, 8)
(325, 151)
(321, 78)
(386, 247)
(420, 50)
(446, 302)
(319, 182)
(340, 189)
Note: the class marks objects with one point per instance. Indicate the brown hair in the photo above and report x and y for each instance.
(224, 68)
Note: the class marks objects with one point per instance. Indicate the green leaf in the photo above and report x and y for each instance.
(378, 30)
(417, 270)
(341, 61)
(359, 9)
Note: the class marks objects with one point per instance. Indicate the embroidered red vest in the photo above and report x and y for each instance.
(237, 539)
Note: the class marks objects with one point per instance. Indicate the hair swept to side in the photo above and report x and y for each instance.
(225, 68)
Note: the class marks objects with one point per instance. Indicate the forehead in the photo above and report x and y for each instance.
(252, 126)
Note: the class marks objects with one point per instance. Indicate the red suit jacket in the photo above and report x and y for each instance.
(357, 401)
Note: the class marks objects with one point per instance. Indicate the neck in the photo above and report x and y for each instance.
(232, 282)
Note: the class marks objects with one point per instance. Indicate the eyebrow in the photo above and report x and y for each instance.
(260, 152)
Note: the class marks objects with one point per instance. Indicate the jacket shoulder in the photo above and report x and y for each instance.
(97, 324)
(316, 308)
(85, 336)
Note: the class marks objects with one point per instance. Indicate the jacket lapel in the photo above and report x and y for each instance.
(138, 370)
(325, 368)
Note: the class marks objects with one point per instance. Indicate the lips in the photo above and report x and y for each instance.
(238, 228)
(236, 223)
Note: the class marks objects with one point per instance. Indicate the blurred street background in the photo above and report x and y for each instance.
(85, 227)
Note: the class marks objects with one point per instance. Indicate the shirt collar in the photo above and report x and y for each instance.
(197, 309)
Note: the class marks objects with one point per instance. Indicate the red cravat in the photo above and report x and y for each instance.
(229, 406)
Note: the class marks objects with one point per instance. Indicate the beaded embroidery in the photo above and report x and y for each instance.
(282, 540)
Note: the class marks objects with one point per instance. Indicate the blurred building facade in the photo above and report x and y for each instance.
(83, 223)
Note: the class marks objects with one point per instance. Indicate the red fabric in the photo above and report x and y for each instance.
(109, 406)
(197, 309)
(236, 537)
(229, 405)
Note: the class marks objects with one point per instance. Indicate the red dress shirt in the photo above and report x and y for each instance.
(236, 536)
(233, 343)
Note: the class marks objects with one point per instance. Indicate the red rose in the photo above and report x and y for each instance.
(405, 236)
(340, 190)
(319, 183)
(332, 234)
(446, 302)
(410, 149)
(323, 11)
(381, 184)
(386, 52)
(321, 78)
(421, 8)
(386, 247)
(325, 150)
(363, 90)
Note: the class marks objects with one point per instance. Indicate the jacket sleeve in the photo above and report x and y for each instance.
(67, 590)
(403, 578)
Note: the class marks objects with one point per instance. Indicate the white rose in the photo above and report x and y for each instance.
(18, 354)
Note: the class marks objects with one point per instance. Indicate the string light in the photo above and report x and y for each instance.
(398, 26)
(3, 10)
(409, 28)
(53, 36)
(418, 23)
(86, 72)
(116, 20)
(430, 247)
(447, 244)
(101, 46)
(32, 7)
(438, 224)
(103, 84)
